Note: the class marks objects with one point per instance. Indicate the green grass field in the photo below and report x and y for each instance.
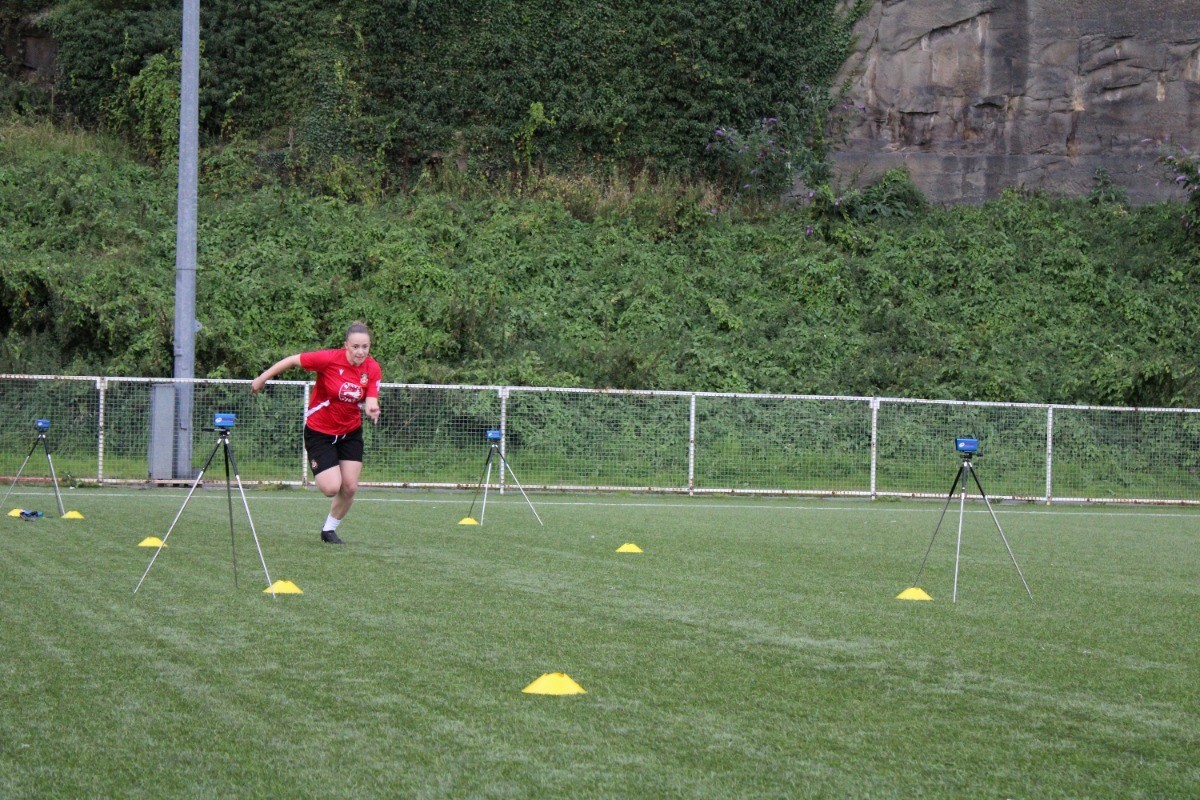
(754, 649)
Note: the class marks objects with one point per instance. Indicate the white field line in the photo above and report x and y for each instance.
(860, 505)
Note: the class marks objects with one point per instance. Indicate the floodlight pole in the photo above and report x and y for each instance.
(185, 238)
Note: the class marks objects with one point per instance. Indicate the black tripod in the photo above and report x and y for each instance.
(961, 477)
(222, 443)
(485, 478)
(45, 443)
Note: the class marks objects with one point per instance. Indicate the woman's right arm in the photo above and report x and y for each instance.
(279, 366)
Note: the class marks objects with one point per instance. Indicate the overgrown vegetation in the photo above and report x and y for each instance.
(1183, 169)
(574, 282)
(584, 194)
(367, 95)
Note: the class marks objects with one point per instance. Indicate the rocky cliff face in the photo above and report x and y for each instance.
(974, 96)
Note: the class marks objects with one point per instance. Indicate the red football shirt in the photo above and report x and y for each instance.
(335, 407)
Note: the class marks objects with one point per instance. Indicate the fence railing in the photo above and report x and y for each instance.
(103, 430)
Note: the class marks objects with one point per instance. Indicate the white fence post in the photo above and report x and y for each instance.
(874, 441)
(691, 468)
(503, 392)
(102, 391)
(303, 451)
(1049, 452)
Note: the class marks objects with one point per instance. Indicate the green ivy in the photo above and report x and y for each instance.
(394, 88)
(147, 110)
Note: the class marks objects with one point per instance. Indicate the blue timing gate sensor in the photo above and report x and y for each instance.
(967, 446)
(224, 421)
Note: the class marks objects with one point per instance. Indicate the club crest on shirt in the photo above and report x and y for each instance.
(350, 392)
(363, 379)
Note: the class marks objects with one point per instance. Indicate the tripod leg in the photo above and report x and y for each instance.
(504, 461)
(22, 469)
(962, 507)
(949, 497)
(1003, 538)
(192, 491)
(487, 463)
(486, 480)
(250, 519)
(229, 496)
(53, 478)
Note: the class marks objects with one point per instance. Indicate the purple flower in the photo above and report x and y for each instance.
(719, 132)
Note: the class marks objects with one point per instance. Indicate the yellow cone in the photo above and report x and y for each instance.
(72, 515)
(468, 521)
(554, 683)
(151, 541)
(629, 547)
(16, 512)
(913, 593)
(282, 587)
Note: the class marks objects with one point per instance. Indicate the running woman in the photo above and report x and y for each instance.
(347, 384)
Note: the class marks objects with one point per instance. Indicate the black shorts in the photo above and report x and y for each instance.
(325, 451)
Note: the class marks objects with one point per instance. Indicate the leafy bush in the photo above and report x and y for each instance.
(1183, 168)
(756, 163)
(1105, 191)
(893, 196)
(626, 283)
(146, 110)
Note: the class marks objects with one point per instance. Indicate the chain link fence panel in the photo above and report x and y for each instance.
(782, 443)
(1106, 455)
(915, 452)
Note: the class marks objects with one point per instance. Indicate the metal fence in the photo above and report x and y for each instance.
(577, 439)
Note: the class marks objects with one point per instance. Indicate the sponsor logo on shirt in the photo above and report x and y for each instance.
(350, 392)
